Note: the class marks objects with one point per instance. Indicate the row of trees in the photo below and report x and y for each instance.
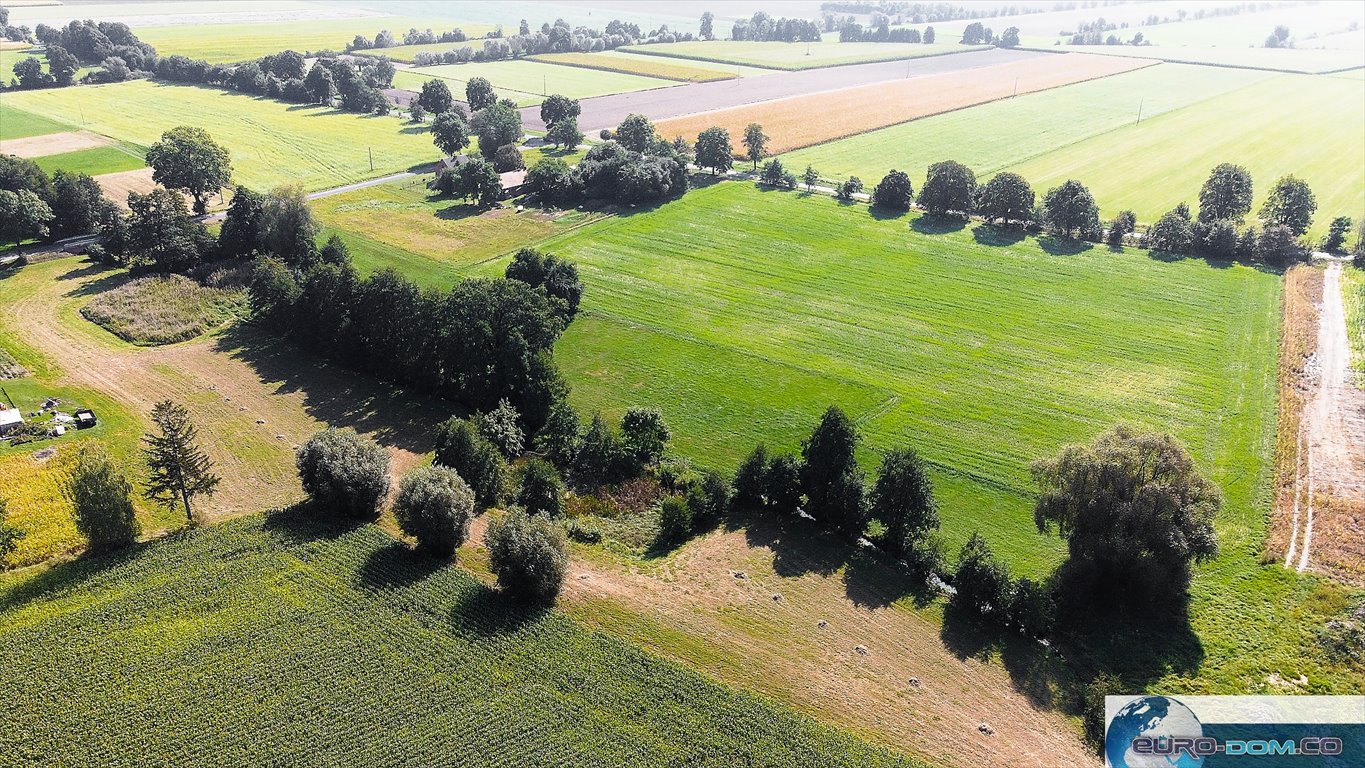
(558, 37)
(853, 32)
(354, 84)
(761, 26)
(110, 45)
(34, 205)
(633, 165)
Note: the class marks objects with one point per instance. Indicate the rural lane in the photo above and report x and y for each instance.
(676, 101)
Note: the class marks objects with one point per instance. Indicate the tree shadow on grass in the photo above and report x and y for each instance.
(395, 565)
(928, 224)
(1063, 246)
(882, 213)
(457, 211)
(64, 577)
(997, 237)
(799, 547)
(872, 579)
(303, 522)
(486, 612)
(338, 396)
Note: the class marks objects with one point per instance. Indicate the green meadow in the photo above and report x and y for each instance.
(528, 82)
(996, 135)
(324, 645)
(743, 313)
(271, 142)
(94, 161)
(18, 124)
(1266, 127)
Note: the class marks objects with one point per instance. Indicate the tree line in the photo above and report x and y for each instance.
(110, 45)
(355, 84)
(763, 27)
(632, 165)
(558, 37)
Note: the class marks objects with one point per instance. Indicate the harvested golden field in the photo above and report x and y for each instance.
(1298, 343)
(792, 123)
(637, 65)
(52, 143)
(116, 186)
(32, 488)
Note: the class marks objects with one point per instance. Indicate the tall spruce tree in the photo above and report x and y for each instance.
(180, 470)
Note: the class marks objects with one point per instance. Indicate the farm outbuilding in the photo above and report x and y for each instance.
(85, 418)
(10, 420)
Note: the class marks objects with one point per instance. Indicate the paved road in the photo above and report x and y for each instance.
(662, 103)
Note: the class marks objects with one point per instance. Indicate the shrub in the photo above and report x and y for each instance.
(508, 158)
(708, 500)
(102, 498)
(849, 188)
(949, 187)
(434, 506)
(751, 479)
(344, 473)
(981, 581)
(9, 534)
(561, 436)
(600, 454)
(586, 533)
(675, 519)
(529, 555)
(460, 447)
(644, 435)
(539, 489)
(1092, 705)
(924, 557)
(502, 427)
(1031, 607)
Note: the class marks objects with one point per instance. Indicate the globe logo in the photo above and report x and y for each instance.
(1151, 716)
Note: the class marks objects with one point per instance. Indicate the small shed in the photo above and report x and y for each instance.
(85, 418)
(512, 183)
(10, 419)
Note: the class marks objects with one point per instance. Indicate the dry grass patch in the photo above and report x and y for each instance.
(116, 186)
(645, 66)
(792, 124)
(53, 144)
(1298, 342)
(1339, 537)
(164, 309)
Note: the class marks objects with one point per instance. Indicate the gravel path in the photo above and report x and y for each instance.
(662, 103)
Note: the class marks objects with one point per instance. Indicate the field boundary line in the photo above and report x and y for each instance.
(719, 76)
(738, 63)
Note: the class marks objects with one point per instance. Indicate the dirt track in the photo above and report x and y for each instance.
(663, 103)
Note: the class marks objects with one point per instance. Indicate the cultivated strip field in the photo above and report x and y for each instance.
(95, 162)
(856, 110)
(609, 111)
(1132, 167)
(648, 66)
(998, 134)
(335, 646)
(777, 55)
(52, 143)
(1307, 61)
(180, 12)
(271, 142)
(530, 81)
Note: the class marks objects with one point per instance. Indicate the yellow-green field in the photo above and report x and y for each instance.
(648, 66)
(775, 55)
(217, 43)
(271, 142)
(528, 82)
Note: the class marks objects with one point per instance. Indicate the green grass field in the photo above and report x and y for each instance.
(647, 66)
(1302, 60)
(271, 142)
(94, 161)
(992, 136)
(796, 55)
(528, 82)
(1353, 300)
(434, 240)
(329, 646)
(981, 352)
(18, 124)
(218, 43)
(1289, 124)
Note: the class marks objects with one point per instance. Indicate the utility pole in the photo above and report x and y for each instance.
(544, 85)
(1016, 88)
(371, 149)
(1139, 117)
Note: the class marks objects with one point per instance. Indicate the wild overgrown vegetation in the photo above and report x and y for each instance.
(164, 309)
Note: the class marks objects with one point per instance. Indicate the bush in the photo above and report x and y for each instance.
(708, 500)
(600, 455)
(924, 557)
(529, 555)
(460, 447)
(344, 473)
(751, 479)
(981, 581)
(434, 506)
(539, 489)
(782, 483)
(502, 427)
(586, 533)
(645, 436)
(1031, 607)
(508, 158)
(848, 189)
(1092, 705)
(675, 520)
(103, 502)
(560, 437)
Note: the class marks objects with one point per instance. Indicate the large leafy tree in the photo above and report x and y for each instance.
(243, 230)
(830, 476)
(564, 133)
(1171, 233)
(636, 133)
(1134, 510)
(450, 132)
(479, 93)
(755, 143)
(179, 468)
(101, 498)
(23, 215)
(894, 192)
(344, 474)
(436, 97)
(434, 506)
(714, 150)
(161, 232)
(1291, 204)
(496, 126)
(903, 499)
(1006, 197)
(949, 186)
(187, 158)
(557, 108)
(1226, 195)
(529, 554)
(76, 204)
(1069, 210)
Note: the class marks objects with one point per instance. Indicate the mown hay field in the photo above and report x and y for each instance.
(19, 124)
(166, 309)
(218, 43)
(612, 61)
(271, 142)
(1305, 125)
(993, 351)
(1302, 60)
(528, 82)
(820, 117)
(1353, 300)
(93, 162)
(993, 136)
(775, 55)
(325, 645)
